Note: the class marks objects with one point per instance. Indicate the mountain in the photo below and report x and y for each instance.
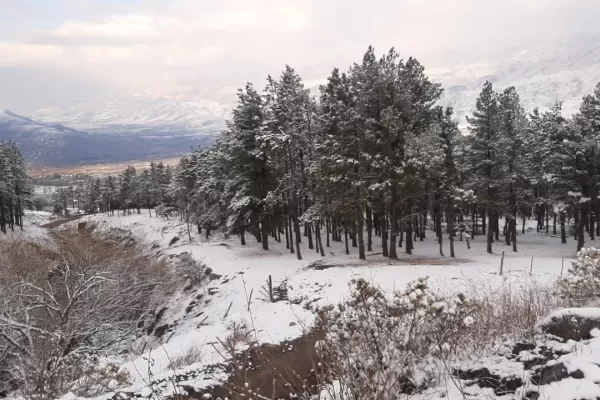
(170, 111)
(543, 74)
(52, 144)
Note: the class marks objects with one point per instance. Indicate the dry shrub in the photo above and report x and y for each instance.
(64, 300)
(191, 356)
(509, 312)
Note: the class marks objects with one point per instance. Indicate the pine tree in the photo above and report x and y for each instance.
(484, 158)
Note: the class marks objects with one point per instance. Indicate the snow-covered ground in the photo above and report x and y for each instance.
(32, 225)
(245, 269)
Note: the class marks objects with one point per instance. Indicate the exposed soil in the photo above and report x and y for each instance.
(273, 371)
(96, 169)
(62, 221)
(323, 264)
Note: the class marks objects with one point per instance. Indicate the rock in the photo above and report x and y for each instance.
(572, 323)
(213, 277)
(293, 323)
(174, 240)
(191, 306)
(486, 379)
(161, 330)
(555, 373)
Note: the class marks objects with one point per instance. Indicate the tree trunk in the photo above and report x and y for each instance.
(439, 231)
(291, 229)
(497, 225)
(360, 227)
(581, 228)
(346, 236)
(265, 229)
(383, 229)
(451, 227)
(401, 237)
(319, 241)
(409, 243)
(490, 232)
(298, 239)
(369, 229)
(393, 222)
(310, 239)
(563, 229)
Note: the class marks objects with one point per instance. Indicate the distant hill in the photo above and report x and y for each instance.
(51, 144)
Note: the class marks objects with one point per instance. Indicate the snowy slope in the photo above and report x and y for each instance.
(178, 110)
(244, 269)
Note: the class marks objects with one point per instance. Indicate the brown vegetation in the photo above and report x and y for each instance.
(64, 300)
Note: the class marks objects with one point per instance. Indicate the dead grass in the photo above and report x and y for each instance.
(96, 169)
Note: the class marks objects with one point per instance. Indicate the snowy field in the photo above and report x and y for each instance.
(245, 269)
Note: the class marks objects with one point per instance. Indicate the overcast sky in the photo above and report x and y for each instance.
(56, 52)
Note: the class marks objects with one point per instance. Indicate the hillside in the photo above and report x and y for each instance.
(564, 71)
(52, 144)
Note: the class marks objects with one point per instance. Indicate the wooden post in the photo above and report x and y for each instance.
(270, 288)
(563, 264)
(531, 268)
(502, 263)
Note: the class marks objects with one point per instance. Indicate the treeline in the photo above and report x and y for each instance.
(15, 187)
(376, 156)
(128, 192)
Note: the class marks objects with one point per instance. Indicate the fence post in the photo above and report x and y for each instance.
(270, 288)
(562, 267)
(502, 263)
(531, 268)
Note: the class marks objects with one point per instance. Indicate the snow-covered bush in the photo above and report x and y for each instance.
(379, 347)
(582, 284)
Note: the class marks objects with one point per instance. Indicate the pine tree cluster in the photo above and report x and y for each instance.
(375, 155)
(15, 187)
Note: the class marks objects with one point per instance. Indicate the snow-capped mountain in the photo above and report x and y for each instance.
(543, 74)
(562, 71)
(174, 110)
(51, 144)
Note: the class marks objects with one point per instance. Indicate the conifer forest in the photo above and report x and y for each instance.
(373, 157)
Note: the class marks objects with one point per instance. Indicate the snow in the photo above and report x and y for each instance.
(589, 312)
(245, 269)
(32, 222)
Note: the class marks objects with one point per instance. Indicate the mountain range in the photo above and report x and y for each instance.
(53, 144)
(168, 121)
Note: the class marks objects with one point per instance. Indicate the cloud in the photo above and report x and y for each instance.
(228, 42)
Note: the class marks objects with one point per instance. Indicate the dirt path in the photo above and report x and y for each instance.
(62, 221)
